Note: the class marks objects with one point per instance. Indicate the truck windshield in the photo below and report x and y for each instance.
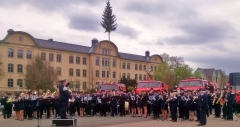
(190, 83)
(148, 85)
(108, 87)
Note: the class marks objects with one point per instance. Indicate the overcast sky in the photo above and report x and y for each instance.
(206, 33)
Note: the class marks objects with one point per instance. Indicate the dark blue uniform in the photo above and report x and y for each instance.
(63, 99)
(230, 98)
(203, 107)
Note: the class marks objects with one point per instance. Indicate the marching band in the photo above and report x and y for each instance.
(158, 104)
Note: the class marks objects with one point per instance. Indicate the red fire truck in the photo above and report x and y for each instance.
(195, 84)
(111, 86)
(148, 84)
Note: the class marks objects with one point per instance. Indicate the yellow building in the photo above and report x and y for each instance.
(86, 66)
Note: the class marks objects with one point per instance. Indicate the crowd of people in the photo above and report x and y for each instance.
(187, 105)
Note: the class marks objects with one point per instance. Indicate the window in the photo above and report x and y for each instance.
(106, 62)
(102, 61)
(120, 65)
(107, 73)
(103, 74)
(29, 54)
(136, 66)
(140, 77)
(51, 57)
(77, 85)
(10, 53)
(84, 85)
(152, 68)
(140, 67)
(10, 82)
(123, 65)
(114, 63)
(43, 56)
(19, 38)
(120, 76)
(144, 67)
(114, 74)
(136, 76)
(144, 77)
(84, 61)
(20, 82)
(77, 60)
(128, 66)
(10, 67)
(20, 68)
(128, 75)
(97, 73)
(97, 61)
(71, 59)
(59, 71)
(20, 53)
(124, 75)
(59, 58)
(105, 52)
(84, 73)
(70, 72)
(155, 68)
(78, 72)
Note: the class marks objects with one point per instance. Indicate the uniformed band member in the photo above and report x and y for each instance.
(203, 107)
(63, 99)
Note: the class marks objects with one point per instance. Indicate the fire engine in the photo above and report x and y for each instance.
(112, 86)
(150, 84)
(195, 84)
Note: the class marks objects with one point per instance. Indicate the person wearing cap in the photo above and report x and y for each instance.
(203, 107)
(209, 96)
(63, 99)
(4, 103)
(223, 103)
(216, 103)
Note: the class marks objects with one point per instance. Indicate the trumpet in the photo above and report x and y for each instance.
(53, 94)
(169, 99)
(214, 99)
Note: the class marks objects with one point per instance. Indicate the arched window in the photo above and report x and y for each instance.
(20, 82)
(59, 71)
(20, 68)
(10, 67)
(84, 73)
(10, 82)
(70, 72)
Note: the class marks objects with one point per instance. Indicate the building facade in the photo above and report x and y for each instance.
(85, 66)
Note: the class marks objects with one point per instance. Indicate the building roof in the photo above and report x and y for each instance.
(51, 44)
(217, 72)
(209, 72)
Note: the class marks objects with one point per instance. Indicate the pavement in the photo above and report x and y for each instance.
(120, 122)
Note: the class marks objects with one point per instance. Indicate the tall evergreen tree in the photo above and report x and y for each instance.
(108, 20)
(108, 23)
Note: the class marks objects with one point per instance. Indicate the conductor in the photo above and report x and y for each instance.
(63, 98)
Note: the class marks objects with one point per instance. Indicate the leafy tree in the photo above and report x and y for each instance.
(164, 74)
(130, 83)
(182, 72)
(2, 73)
(223, 79)
(196, 74)
(40, 75)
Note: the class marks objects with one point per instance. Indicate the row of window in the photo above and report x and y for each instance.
(19, 53)
(137, 77)
(11, 83)
(77, 85)
(11, 68)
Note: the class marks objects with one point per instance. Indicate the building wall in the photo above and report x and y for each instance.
(26, 43)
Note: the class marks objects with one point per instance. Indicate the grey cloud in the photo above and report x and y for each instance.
(126, 31)
(228, 62)
(201, 32)
(49, 5)
(84, 21)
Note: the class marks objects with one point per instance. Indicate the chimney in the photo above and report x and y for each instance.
(147, 53)
(94, 41)
(10, 31)
(50, 39)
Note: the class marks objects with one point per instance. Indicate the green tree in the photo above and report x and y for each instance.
(164, 74)
(223, 79)
(196, 74)
(109, 20)
(40, 75)
(2, 73)
(182, 72)
(130, 83)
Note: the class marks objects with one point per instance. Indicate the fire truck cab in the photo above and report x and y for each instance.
(111, 86)
(147, 85)
(195, 84)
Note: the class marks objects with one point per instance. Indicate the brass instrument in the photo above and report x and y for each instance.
(11, 99)
(53, 94)
(46, 94)
(220, 98)
(214, 99)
